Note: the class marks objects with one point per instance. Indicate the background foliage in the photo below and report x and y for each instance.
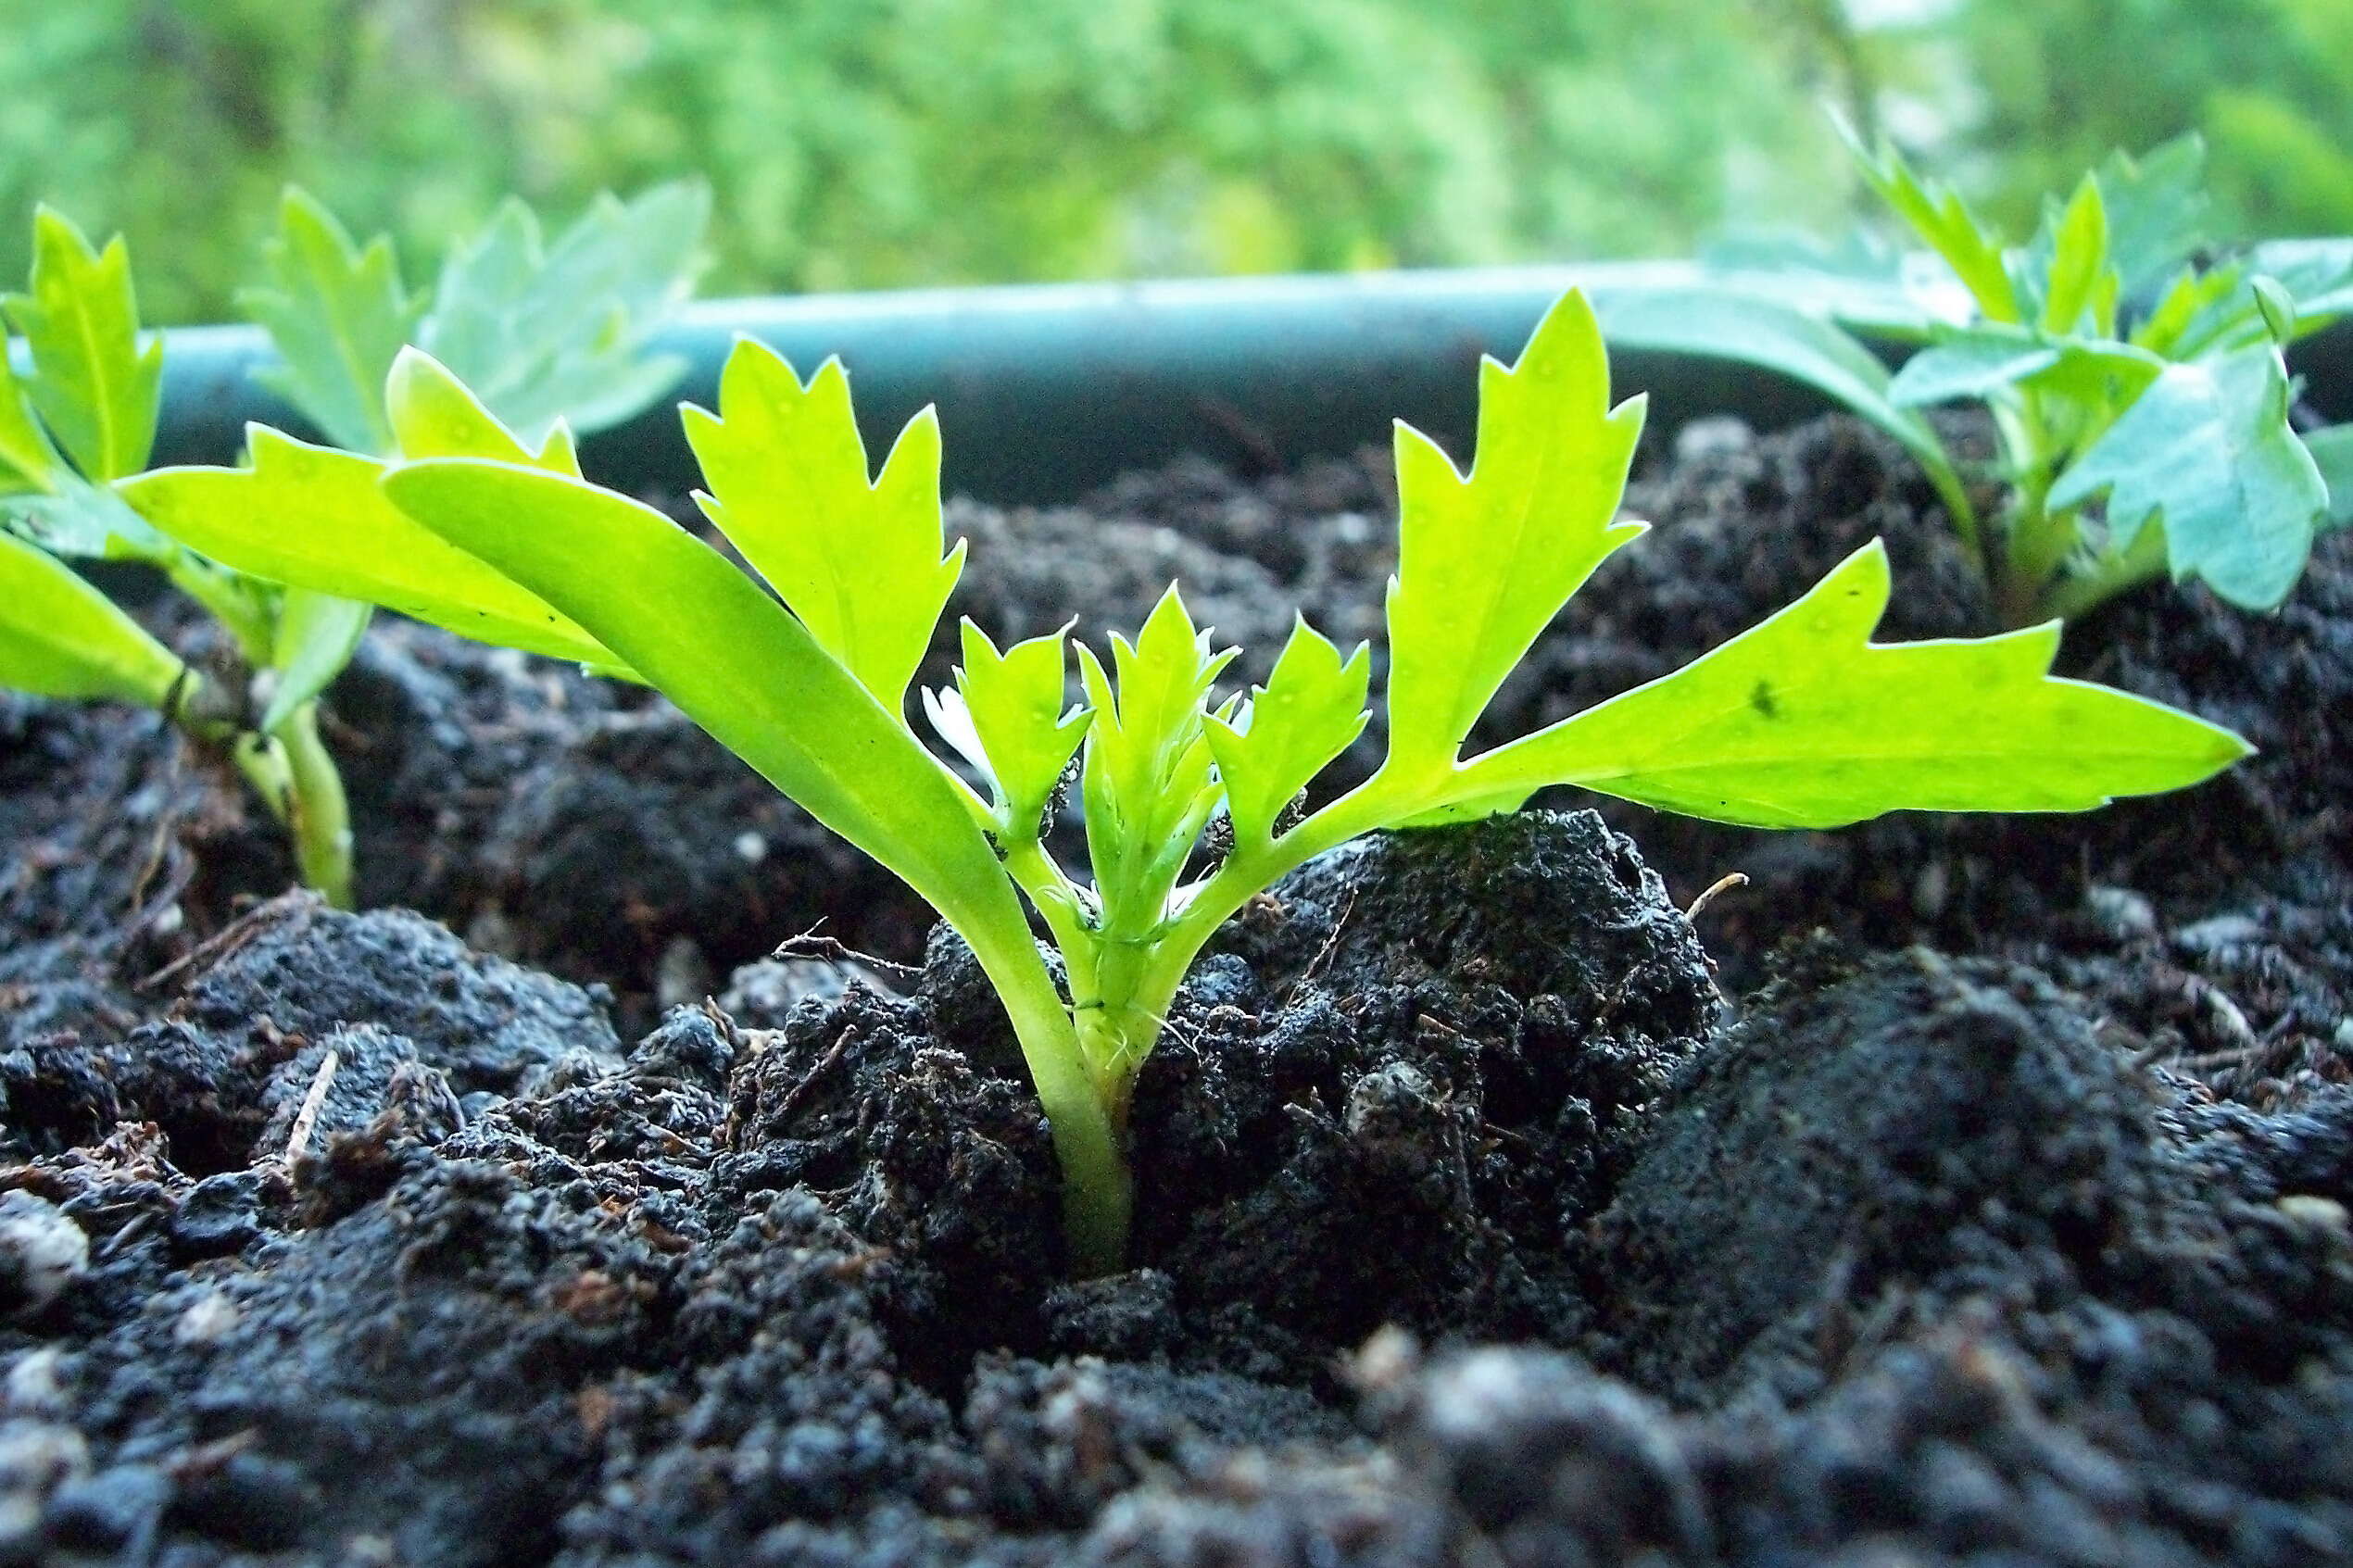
(872, 142)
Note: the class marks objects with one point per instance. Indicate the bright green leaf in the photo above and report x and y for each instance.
(316, 634)
(315, 518)
(61, 637)
(28, 462)
(735, 661)
(338, 315)
(1008, 717)
(91, 382)
(435, 415)
(1485, 560)
(2079, 280)
(2208, 450)
(1804, 723)
(1310, 710)
(858, 560)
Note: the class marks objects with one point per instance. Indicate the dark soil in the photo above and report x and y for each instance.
(2006, 1224)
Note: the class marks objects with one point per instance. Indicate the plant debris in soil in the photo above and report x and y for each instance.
(2007, 1221)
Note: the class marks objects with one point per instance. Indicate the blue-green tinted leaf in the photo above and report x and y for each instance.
(1973, 365)
(1310, 710)
(1487, 559)
(2156, 206)
(2208, 454)
(79, 519)
(549, 332)
(1804, 723)
(738, 664)
(338, 315)
(2331, 451)
(91, 383)
(61, 637)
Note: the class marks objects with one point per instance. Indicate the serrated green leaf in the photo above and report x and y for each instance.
(2331, 452)
(736, 663)
(61, 637)
(435, 415)
(856, 560)
(316, 636)
(339, 316)
(1485, 560)
(1008, 716)
(2210, 451)
(1969, 364)
(2157, 208)
(1804, 723)
(316, 518)
(1310, 710)
(2076, 279)
(1147, 777)
(91, 383)
(1763, 333)
(1943, 222)
(552, 332)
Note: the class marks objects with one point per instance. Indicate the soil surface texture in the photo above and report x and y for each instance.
(1957, 1191)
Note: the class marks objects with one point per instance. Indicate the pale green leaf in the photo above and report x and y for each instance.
(93, 385)
(543, 333)
(338, 315)
(1016, 725)
(317, 519)
(1804, 723)
(2208, 454)
(1776, 337)
(1943, 222)
(1969, 364)
(728, 655)
(2156, 206)
(2331, 452)
(856, 560)
(1310, 710)
(1487, 559)
(61, 637)
(316, 636)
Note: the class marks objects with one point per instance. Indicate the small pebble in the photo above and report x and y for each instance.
(2321, 1214)
(2120, 913)
(750, 849)
(41, 1253)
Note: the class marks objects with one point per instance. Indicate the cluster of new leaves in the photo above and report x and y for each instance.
(804, 672)
(554, 333)
(2137, 389)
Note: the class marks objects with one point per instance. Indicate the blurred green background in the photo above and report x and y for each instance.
(857, 143)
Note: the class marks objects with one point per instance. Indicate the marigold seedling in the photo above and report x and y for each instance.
(551, 333)
(1801, 722)
(2138, 396)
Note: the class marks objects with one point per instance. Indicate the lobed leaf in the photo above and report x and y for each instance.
(856, 560)
(1943, 221)
(91, 383)
(1310, 710)
(1008, 716)
(61, 637)
(2156, 206)
(1486, 560)
(2208, 454)
(339, 316)
(1804, 723)
(733, 660)
(2076, 279)
(543, 332)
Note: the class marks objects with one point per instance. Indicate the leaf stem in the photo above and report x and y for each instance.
(316, 811)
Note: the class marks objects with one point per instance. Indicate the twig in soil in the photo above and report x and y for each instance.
(794, 1095)
(229, 937)
(1331, 941)
(1716, 889)
(827, 949)
(299, 1141)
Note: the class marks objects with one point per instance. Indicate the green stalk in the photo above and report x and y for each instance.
(317, 813)
(2115, 573)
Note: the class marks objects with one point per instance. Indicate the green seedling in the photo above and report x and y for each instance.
(1801, 722)
(2130, 444)
(552, 332)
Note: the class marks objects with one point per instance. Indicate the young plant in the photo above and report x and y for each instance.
(548, 330)
(2138, 397)
(1801, 722)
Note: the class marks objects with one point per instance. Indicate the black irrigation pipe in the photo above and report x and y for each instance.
(1045, 391)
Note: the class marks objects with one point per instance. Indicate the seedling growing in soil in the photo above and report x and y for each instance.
(1800, 723)
(548, 331)
(2138, 398)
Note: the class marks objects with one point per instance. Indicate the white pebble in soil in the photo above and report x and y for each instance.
(42, 1252)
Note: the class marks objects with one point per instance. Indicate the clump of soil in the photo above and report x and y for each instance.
(2007, 1221)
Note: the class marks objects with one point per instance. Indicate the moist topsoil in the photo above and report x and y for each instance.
(1998, 1216)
